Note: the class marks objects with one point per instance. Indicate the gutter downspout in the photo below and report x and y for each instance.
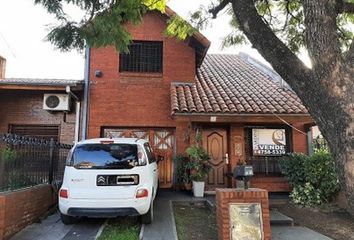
(310, 142)
(85, 110)
(77, 114)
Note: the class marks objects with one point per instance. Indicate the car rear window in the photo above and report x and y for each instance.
(105, 156)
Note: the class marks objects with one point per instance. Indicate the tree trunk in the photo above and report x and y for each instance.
(327, 90)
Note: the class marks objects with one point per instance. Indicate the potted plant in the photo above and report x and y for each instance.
(199, 168)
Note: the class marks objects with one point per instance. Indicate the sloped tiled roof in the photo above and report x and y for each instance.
(40, 82)
(228, 84)
(204, 43)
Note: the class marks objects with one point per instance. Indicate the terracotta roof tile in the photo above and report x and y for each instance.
(229, 84)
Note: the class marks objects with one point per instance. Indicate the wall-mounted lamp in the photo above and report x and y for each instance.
(98, 73)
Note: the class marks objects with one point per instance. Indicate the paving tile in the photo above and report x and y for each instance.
(296, 233)
(49, 229)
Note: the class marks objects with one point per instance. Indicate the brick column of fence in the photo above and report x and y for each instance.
(2, 217)
(231, 195)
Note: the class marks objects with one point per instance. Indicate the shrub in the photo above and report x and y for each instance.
(313, 178)
(16, 180)
(8, 155)
(182, 171)
(293, 167)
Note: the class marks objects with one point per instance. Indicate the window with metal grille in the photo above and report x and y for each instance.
(143, 56)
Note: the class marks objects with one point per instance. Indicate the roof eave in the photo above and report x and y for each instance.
(239, 114)
(199, 37)
(243, 118)
(40, 87)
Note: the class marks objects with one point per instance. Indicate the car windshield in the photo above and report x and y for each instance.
(105, 156)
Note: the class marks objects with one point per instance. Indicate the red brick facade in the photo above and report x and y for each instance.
(143, 100)
(226, 196)
(299, 139)
(140, 100)
(26, 108)
(21, 208)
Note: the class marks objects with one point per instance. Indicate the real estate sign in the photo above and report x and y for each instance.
(268, 142)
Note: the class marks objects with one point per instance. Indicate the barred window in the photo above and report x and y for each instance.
(143, 56)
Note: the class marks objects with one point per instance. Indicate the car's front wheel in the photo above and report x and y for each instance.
(148, 217)
(67, 220)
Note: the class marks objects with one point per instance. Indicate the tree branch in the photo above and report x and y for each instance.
(214, 11)
(283, 60)
(345, 7)
(319, 100)
(349, 58)
(348, 7)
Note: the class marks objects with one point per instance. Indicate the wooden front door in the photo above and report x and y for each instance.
(162, 142)
(215, 143)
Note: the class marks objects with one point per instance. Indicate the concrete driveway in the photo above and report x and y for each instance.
(52, 228)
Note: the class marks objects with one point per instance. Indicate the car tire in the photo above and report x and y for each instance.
(148, 217)
(67, 220)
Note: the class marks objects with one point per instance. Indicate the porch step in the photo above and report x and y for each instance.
(279, 219)
(278, 198)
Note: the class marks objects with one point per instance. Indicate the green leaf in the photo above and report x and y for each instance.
(179, 28)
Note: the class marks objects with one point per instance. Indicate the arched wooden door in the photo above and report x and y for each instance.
(215, 143)
(162, 142)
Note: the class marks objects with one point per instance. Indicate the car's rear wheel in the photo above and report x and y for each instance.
(148, 217)
(67, 220)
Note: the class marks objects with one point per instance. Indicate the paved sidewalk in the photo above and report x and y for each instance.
(52, 228)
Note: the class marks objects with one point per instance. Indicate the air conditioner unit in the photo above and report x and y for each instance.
(56, 102)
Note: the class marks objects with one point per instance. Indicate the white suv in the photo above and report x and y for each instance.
(109, 178)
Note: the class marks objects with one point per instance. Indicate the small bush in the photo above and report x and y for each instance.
(8, 155)
(182, 171)
(313, 178)
(16, 180)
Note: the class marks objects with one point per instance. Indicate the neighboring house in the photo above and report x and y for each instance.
(167, 91)
(23, 104)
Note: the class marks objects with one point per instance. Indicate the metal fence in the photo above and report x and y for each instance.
(319, 143)
(265, 165)
(26, 161)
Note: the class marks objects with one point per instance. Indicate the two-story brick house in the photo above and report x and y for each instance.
(166, 90)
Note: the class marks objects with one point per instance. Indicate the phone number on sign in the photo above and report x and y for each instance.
(269, 152)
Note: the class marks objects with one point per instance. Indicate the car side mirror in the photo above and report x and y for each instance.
(160, 158)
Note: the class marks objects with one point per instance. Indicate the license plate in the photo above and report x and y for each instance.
(117, 180)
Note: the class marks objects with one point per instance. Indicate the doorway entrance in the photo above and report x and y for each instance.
(215, 143)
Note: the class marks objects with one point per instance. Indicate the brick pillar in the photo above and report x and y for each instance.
(299, 139)
(226, 196)
(2, 217)
(183, 136)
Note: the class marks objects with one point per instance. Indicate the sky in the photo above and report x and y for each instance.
(24, 26)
